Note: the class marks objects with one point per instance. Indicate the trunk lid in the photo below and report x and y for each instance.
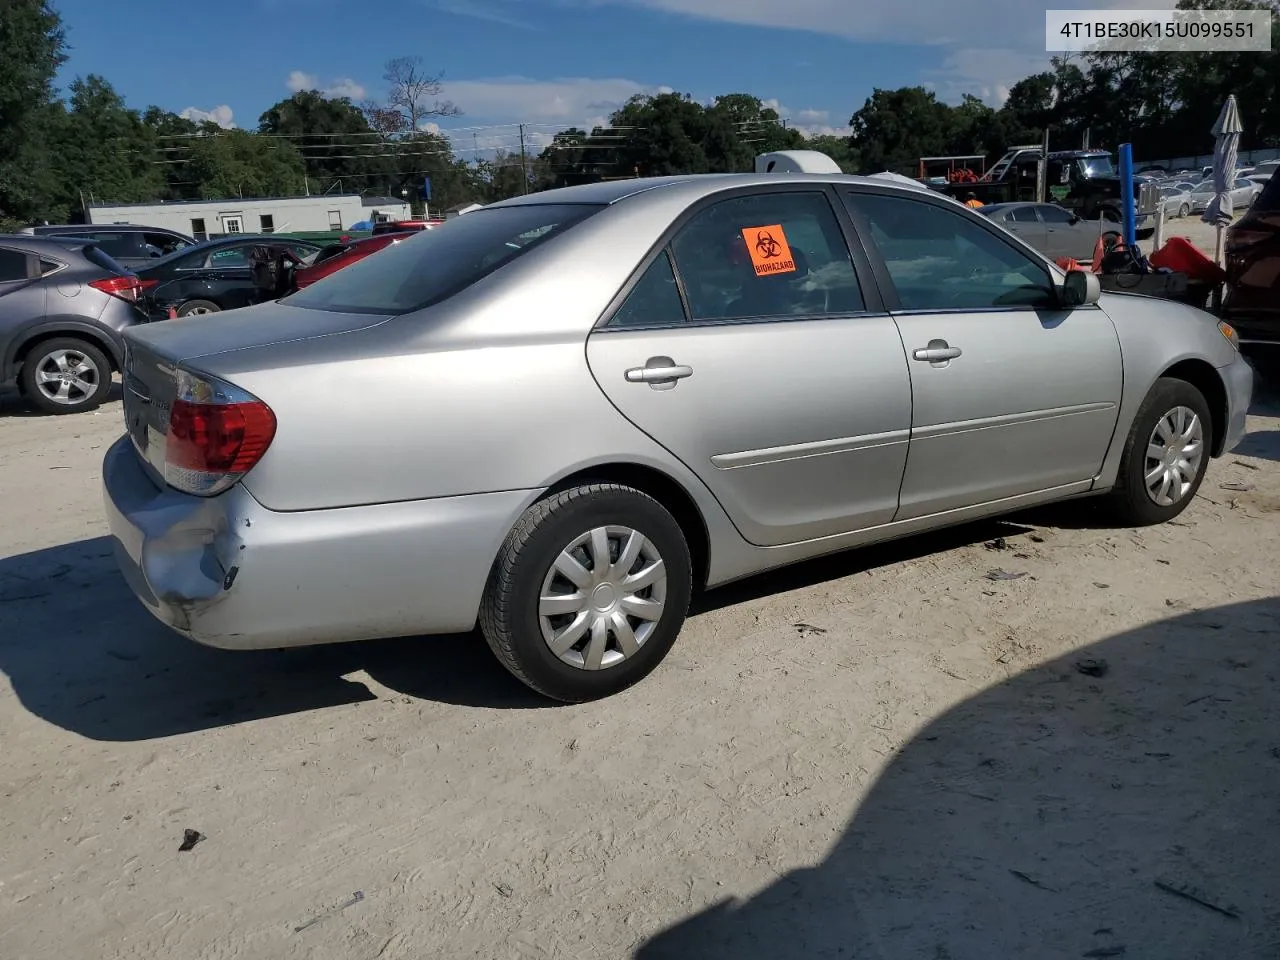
(155, 351)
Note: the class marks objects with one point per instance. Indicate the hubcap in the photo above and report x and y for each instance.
(66, 377)
(602, 598)
(1174, 452)
(197, 311)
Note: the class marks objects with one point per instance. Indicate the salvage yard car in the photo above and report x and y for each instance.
(561, 414)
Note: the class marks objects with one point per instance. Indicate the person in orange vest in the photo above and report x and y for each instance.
(971, 200)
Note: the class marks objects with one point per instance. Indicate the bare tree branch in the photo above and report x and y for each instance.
(414, 93)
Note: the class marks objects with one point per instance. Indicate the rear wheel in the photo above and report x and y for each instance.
(588, 593)
(194, 308)
(1165, 455)
(1184, 210)
(65, 375)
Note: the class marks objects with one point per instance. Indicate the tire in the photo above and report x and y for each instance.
(196, 307)
(1131, 500)
(525, 571)
(85, 367)
(1184, 210)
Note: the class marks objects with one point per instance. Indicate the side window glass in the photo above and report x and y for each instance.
(229, 259)
(938, 260)
(49, 266)
(164, 244)
(1054, 214)
(1024, 215)
(117, 245)
(767, 255)
(13, 266)
(654, 300)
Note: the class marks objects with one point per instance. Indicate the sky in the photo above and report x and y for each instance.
(550, 64)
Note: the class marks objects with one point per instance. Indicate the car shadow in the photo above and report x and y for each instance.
(1058, 814)
(81, 652)
(14, 404)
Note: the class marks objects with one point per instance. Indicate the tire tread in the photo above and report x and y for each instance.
(496, 607)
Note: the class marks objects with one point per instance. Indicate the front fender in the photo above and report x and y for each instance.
(1155, 335)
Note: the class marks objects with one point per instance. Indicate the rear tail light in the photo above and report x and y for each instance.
(145, 285)
(217, 434)
(126, 288)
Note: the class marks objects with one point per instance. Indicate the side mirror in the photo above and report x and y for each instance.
(1081, 288)
(1075, 218)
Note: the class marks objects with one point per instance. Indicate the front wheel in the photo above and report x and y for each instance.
(65, 375)
(1165, 456)
(588, 593)
(196, 308)
(1184, 210)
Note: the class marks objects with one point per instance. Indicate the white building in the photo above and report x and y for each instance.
(206, 218)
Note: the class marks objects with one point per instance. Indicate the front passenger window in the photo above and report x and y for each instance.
(940, 260)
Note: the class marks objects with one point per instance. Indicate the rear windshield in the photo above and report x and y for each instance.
(433, 265)
(99, 257)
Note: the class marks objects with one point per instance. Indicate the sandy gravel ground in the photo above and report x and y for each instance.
(882, 755)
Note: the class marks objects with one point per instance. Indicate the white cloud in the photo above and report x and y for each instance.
(1010, 34)
(299, 80)
(222, 115)
(813, 116)
(560, 103)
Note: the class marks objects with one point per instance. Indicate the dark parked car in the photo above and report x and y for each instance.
(1053, 230)
(1252, 303)
(63, 307)
(127, 244)
(211, 276)
(333, 258)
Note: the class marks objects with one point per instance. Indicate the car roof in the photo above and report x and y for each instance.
(690, 186)
(37, 243)
(77, 228)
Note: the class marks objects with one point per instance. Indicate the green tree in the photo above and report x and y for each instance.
(334, 137)
(236, 163)
(32, 48)
(106, 151)
(838, 149)
(895, 128)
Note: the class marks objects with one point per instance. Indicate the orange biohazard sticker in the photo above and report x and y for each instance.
(769, 250)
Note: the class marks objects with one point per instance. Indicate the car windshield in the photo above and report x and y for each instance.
(1097, 166)
(433, 265)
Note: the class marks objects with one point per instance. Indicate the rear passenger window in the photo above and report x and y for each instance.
(119, 245)
(654, 301)
(1023, 215)
(164, 244)
(48, 266)
(940, 260)
(13, 265)
(770, 256)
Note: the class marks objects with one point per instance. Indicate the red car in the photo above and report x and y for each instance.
(398, 226)
(333, 258)
(1252, 304)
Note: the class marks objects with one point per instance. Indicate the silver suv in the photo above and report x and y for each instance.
(63, 307)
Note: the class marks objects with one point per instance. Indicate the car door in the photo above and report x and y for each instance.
(1023, 223)
(752, 349)
(1013, 395)
(22, 296)
(1068, 235)
(229, 279)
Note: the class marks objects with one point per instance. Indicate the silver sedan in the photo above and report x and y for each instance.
(560, 415)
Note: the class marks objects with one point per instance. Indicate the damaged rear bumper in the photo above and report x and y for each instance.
(227, 572)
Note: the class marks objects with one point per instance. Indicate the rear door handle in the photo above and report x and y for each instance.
(661, 373)
(938, 351)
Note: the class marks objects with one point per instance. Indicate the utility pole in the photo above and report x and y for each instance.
(524, 167)
(1042, 169)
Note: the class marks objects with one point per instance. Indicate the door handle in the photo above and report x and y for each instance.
(661, 373)
(938, 351)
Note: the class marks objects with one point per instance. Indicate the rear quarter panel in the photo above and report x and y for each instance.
(1155, 335)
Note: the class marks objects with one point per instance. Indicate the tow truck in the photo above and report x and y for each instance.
(1084, 181)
